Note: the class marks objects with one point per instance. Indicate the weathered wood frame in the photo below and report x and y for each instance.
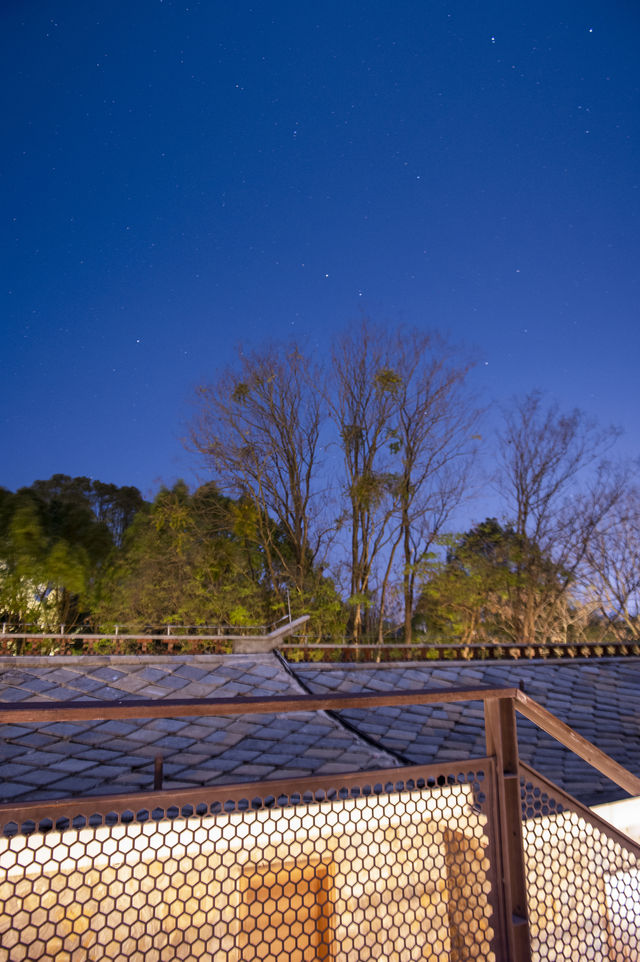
(500, 706)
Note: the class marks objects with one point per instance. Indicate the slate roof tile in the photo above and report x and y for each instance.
(39, 685)
(602, 703)
(10, 790)
(601, 699)
(14, 694)
(40, 776)
(196, 751)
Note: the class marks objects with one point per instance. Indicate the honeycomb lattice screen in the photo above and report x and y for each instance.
(395, 871)
(583, 881)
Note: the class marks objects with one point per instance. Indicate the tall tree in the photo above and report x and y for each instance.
(406, 424)
(479, 593)
(23, 551)
(435, 440)
(362, 401)
(115, 506)
(54, 547)
(258, 427)
(558, 491)
(186, 561)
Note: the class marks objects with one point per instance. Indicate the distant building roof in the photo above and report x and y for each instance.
(600, 699)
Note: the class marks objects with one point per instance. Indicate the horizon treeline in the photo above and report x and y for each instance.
(334, 488)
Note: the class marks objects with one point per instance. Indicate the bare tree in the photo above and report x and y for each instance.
(612, 579)
(361, 400)
(258, 426)
(406, 425)
(558, 491)
(435, 441)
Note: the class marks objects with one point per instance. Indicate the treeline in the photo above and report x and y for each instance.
(84, 555)
(334, 488)
(57, 541)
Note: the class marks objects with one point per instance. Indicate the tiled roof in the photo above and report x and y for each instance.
(600, 699)
(63, 759)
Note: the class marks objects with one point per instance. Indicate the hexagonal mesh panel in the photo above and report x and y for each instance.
(583, 881)
(390, 871)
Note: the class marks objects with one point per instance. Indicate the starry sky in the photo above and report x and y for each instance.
(180, 178)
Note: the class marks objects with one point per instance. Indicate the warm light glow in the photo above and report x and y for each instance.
(381, 877)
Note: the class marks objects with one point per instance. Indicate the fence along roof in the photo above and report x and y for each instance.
(601, 700)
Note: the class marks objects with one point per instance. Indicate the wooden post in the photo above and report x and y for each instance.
(502, 744)
(158, 772)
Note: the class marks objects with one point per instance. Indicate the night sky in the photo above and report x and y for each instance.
(178, 179)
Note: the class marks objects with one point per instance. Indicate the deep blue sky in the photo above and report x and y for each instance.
(180, 177)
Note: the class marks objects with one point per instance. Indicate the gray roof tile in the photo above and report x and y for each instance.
(600, 699)
(118, 755)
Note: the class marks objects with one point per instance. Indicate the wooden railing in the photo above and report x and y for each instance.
(368, 652)
(511, 699)
(513, 939)
(227, 640)
(174, 641)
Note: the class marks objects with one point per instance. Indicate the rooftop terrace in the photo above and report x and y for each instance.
(238, 807)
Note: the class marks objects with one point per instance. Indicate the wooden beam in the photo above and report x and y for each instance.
(39, 711)
(573, 804)
(389, 780)
(577, 743)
